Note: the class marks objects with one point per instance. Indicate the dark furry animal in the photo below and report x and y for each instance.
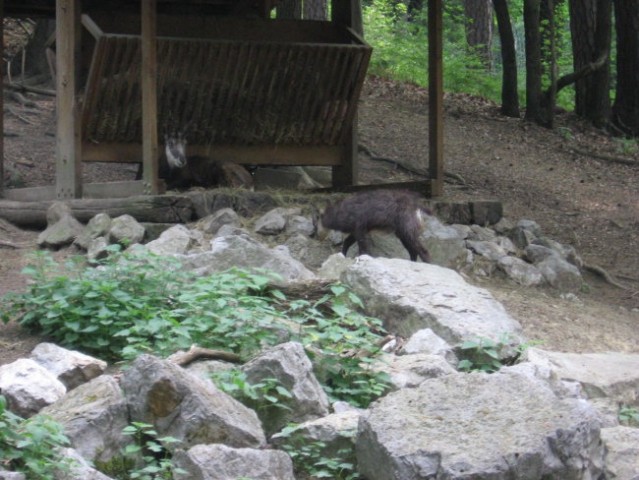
(394, 211)
(181, 172)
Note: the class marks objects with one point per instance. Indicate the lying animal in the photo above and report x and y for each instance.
(396, 211)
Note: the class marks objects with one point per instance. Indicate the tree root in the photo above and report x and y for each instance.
(601, 272)
(606, 158)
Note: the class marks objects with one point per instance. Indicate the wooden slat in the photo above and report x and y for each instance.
(249, 155)
(2, 104)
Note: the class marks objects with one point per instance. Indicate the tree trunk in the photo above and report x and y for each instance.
(590, 25)
(626, 106)
(479, 28)
(549, 59)
(509, 95)
(533, 61)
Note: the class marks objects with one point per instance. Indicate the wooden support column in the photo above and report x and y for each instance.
(68, 135)
(2, 104)
(435, 98)
(149, 98)
(348, 13)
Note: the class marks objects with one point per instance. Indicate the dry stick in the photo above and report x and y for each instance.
(606, 158)
(399, 166)
(196, 353)
(25, 88)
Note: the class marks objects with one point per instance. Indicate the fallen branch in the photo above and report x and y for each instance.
(606, 158)
(17, 246)
(24, 88)
(596, 269)
(198, 353)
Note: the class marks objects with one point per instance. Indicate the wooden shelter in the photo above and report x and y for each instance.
(244, 86)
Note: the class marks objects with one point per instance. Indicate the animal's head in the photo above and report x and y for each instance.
(175, 148)
(321, 231)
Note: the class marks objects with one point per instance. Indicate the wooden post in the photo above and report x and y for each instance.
(436, 98)
(1, 103)
(149, 98)
(348, 13)
(68, 135)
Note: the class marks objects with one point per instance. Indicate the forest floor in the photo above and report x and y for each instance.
(568, 180)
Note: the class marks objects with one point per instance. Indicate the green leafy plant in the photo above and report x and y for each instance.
(138, 302)
(31, 446)
(629, 416)
(311, 458)
(268, 393)
(147, 458)
(483, 354)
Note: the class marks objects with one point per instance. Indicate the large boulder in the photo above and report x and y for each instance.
(622, 452)
(410, 296)
(93, 416)
(479, 426)
(220, 462)
(182, 405)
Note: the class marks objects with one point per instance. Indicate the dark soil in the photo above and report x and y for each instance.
(562, 178)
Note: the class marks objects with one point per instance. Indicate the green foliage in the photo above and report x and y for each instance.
(310, 457)
(147, 458)
(138, 302)
(482, 355)
(265, 394)
(30, 446)
(629, 416)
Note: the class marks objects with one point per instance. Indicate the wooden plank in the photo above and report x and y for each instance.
(68, 155)
(149, 97)
(248, 155)
(436, 97)
(90, 190)
(421, 186)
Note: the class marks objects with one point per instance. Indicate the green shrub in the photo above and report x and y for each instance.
(31, 446)
(138, 302)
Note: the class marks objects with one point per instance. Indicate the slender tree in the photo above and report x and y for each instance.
(533, 61)
(626, 105)
(509, 95)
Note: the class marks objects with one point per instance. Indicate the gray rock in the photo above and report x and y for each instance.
(426, 341)
(70, 367)
(487, 249)
(521, 272)
(93, 416)
(247, 253)
(567, 252)
(212, 223)
(57, 211)
(500, 426)
(409, 371)
(538, 253)
(98, 226)
(79, 468)
(503, 226)
(229, 229)
(98, 249)
(560, 274)
(220, 462)
(126, 230)
(4, 475)
(336, 432)
(61, 233)
(622, 452)
(274, 221)
(309, 251)
(410, 296)
(181, 405)
(481, 234)
(289, 366)
(525, 233)
(176, 240)
(300, 224)
(445, 244)
(29, 387)
(333, 266)
(606, 379)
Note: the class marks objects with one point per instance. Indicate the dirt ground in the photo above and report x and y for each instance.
(565, 179)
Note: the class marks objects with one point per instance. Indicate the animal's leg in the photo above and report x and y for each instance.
(414, 247)
(348, 243)
(363, 242)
